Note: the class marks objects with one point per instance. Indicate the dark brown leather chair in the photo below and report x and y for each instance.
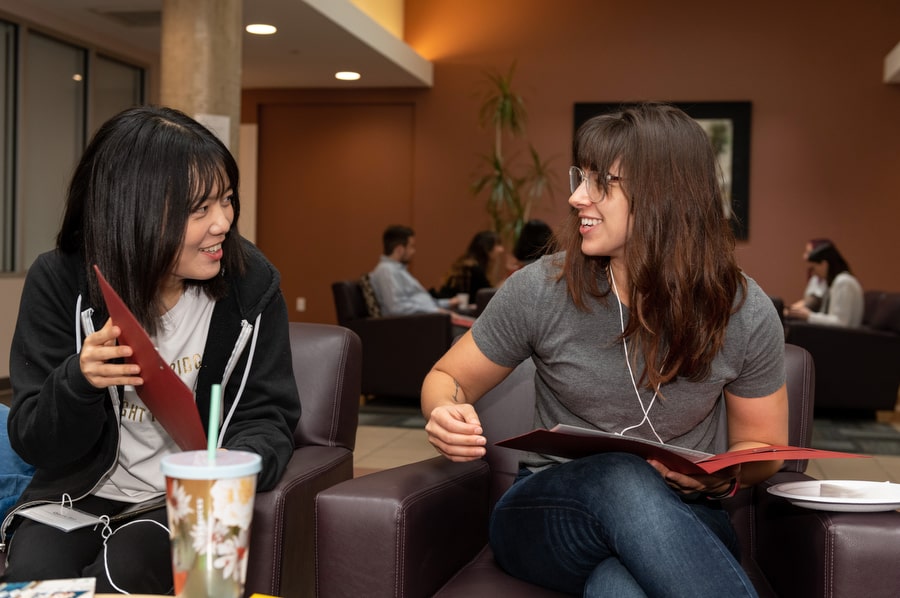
(327, 369)
(397, 350)
(429, 521)
(857, 369)
(327, 365)
(482, 298)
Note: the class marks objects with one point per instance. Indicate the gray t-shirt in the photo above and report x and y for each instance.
(582, 378)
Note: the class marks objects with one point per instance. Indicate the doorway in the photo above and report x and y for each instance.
(331, 177)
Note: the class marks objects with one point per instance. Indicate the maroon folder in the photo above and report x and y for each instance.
(165, 395)
(572, 442)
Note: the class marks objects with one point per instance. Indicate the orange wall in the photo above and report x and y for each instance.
(825, 139)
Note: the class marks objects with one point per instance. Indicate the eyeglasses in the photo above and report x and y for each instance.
(577, 176)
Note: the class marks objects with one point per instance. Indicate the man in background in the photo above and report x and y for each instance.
(398, 292)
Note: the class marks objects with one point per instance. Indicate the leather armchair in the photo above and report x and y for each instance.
(429, 521)
(398, 351)
(856, 368)
(282, 550)
(482, 298)
(327, 362)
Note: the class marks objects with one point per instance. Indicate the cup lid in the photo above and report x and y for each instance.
(196, 465)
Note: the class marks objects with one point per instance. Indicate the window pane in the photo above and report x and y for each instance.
(7, 141)
(53, 136)
(116, 86)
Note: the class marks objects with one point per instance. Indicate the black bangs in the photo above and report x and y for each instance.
(208, 174)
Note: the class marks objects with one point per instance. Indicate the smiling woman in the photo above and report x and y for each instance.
(641, 327)
(153, 204)
(727, 125)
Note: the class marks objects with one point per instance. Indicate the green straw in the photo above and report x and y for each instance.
(215, 409)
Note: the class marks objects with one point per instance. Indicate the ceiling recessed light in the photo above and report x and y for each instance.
(347, 76)
(260, 29)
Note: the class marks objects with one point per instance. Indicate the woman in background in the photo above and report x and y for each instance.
(472, 270)
(843, 303)
(535, 240)
(815, 286)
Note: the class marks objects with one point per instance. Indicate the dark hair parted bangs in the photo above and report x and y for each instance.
(128, 204)
(680, 251)
(827, 252)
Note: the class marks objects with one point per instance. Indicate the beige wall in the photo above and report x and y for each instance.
(825, 133)
(10, 291)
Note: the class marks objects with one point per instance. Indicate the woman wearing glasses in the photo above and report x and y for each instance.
(639, 327)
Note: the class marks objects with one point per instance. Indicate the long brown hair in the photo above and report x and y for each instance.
(680, 251)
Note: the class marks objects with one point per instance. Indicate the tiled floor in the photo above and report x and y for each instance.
(382, 447)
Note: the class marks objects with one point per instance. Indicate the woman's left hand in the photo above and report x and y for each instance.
(99, 353)
(712, 484)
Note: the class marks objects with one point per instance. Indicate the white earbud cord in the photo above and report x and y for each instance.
(646, 409)
(106, 532)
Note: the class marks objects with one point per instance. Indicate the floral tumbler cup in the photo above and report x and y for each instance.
(209, 504)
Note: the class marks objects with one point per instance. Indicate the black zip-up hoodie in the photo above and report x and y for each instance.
(69, 430)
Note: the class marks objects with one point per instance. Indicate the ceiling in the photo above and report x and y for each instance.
(315, 39)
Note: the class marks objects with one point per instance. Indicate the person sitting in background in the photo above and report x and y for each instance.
(535, 240)
(815, 286)
(397, 291)
(843, 303)
(471, 271)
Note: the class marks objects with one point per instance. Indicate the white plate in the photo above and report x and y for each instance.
(840, 495)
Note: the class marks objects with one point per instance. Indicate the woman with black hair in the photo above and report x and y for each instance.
(471, 271)
(535, 240)
(154, 204)
(842, 304)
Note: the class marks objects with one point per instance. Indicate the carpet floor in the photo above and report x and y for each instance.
(856, 436)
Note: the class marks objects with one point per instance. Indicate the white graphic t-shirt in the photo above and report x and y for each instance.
(143, 442)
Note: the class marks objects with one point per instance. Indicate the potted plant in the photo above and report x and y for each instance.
(512, 185)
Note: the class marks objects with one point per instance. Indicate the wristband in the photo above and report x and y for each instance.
(727, 493)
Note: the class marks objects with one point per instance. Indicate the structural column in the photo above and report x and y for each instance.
(200, 63)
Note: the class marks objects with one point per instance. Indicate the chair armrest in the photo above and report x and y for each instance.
(282, 546)
(422, 329)
(399, 351)
(805, 552)
(855, 367)
(821, 333)
(400, 532)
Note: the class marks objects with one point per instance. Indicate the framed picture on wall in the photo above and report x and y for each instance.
(728, 126)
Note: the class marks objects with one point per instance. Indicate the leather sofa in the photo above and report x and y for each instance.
(327, 366)
(398, 351)
(428, 521)
(857, 369)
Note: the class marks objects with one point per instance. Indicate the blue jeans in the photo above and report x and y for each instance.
(608, 525)
(15, 474)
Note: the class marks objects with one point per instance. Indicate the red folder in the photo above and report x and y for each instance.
(165, 395)
(572, 442)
